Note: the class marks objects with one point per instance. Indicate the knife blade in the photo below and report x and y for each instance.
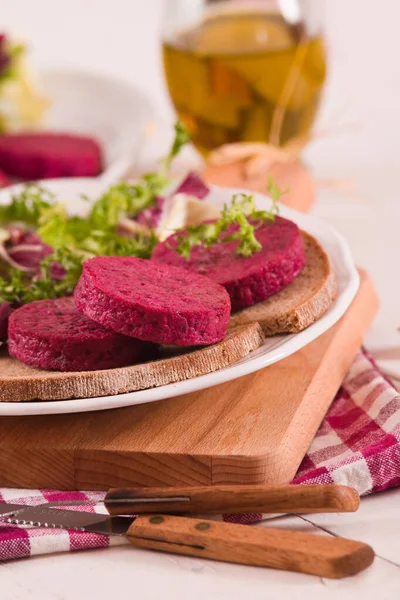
(228, 499)
(7, 508)
(324, 556)
(42, 516)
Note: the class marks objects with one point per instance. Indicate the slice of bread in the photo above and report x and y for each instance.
(20, 382)
(302, 302)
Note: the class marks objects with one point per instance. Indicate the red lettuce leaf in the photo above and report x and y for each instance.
(5, 312)
(193, 185)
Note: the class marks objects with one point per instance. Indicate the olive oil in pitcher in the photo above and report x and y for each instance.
(245, 76)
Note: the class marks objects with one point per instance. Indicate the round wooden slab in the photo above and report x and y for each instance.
(19, 382)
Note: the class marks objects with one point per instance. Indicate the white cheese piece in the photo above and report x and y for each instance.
(4, 235)
(181, 210)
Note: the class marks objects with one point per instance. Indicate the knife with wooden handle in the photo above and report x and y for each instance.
(228, 499)
(234, 499)
(263, 547)
(320, 555)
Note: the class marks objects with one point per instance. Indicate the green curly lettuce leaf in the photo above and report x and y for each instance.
(74, 238)
(241, 216)
(19, 288)
(28, 206)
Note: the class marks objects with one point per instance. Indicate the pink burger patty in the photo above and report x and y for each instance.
(53, 334)
(47, 155)
(248, 280)
(153, 302)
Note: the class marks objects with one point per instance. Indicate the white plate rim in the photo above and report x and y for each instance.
(291, 343)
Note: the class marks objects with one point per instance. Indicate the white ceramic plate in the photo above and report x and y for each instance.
(274, 349)
(112, 110)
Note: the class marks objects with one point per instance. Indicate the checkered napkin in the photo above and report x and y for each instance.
(358, 444)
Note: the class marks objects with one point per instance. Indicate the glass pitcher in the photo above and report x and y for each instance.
(244, 70)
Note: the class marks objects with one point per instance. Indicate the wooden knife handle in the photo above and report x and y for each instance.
(234, 499)
(263, 547)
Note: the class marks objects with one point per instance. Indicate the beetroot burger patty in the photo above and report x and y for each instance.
(47, 155)
(53, 334)
(248, 280)
(153, 302)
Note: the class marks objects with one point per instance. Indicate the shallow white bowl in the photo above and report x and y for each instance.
(112, 110)
(274, 349)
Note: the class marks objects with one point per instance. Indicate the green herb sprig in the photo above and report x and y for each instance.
(181, 138)
(242, 216)
(275, 192)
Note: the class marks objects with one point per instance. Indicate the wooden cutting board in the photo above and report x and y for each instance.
(255, 429)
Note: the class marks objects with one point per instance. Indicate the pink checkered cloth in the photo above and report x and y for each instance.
(358, 444)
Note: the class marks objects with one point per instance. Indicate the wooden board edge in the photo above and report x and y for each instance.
(150, 469)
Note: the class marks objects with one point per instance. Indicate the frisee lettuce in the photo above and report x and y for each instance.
(130, 199)
(18, 289)
(275, 192)
(73, 238)
(181, 138)
(237, 218)
(27, 206)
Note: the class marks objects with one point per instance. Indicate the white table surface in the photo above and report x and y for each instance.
(364, 87)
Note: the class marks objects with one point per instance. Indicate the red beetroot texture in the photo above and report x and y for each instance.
(152, 302)
(5, 312)
(247, 280)
(53, 334)
(4, 179)
(31, 156)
